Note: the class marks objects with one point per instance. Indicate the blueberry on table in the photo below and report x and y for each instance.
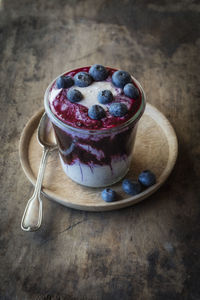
(74, 95)
(131, 91)
(121, 78)
(131, 187)
(98, 72)
(108, 195)
(105, 96)
(64, 82)
(118, 109)
(147, 178)
(96, 112)
(82, 79)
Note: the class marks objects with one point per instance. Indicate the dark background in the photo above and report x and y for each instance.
(151, 250)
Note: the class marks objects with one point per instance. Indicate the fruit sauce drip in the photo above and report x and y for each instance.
(92, 151)
(76, 115)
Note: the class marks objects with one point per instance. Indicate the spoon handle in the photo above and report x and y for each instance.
(32, 217)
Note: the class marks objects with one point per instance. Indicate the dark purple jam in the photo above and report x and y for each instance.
(95, 151)
(76, 115)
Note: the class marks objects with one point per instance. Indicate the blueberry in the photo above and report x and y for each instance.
(121, 78)
(98, 72)
(131, 91)
(82, 79)
(74, 95)
(131, 187)
(108, 195)
(64, 82)
(96, 112)
(147, 178)
(118, 109)
(105, 96)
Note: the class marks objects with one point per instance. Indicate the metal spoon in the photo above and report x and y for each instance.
(32, 217)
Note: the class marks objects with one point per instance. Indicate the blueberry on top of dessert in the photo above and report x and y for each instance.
(74, 95)
(131, 91)
(121, 78)
(82, 79)
(64, 82)
(118, 109)
(105, 96)
(131, 187)
(96, 112)
(98, 72)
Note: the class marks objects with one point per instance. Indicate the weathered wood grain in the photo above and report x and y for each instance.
(148, 251)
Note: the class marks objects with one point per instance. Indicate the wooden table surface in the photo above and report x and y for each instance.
(148, 251)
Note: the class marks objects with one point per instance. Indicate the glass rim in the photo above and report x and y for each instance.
(61, 124)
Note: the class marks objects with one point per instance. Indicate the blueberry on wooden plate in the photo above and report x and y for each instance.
(108, 195)
(147, 178)
(131, 187)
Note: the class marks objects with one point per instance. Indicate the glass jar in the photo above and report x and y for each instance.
(95, 158)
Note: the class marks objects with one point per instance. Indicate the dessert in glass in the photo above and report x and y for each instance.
(95, 112)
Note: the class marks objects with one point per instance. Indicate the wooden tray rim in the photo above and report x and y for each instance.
(151, 111)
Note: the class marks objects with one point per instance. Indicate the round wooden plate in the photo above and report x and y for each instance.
(155, 149)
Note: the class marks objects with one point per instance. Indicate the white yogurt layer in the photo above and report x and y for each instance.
(53, 94)
(89, 93)
(97, 176)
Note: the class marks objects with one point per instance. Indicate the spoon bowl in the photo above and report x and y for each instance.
(45, 134)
